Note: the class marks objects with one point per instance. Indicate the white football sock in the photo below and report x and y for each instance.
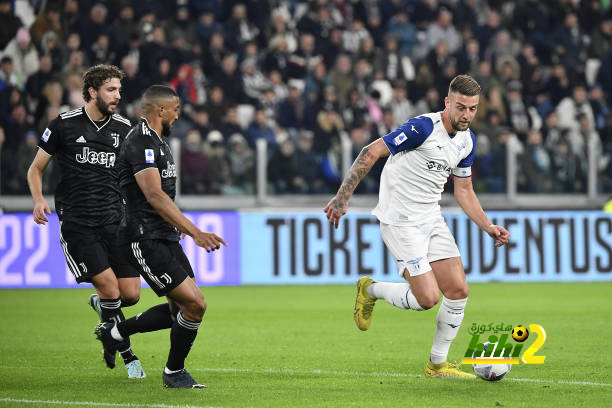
(398, 294)
(449, 320)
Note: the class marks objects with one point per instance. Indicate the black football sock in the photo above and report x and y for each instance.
(182, 336)
(156, 318)
(111, 312)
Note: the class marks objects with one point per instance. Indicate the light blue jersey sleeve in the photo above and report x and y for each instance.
(410, 135)
(464, 168)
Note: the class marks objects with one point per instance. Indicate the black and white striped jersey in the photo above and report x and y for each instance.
(144, 149)
(86, 152)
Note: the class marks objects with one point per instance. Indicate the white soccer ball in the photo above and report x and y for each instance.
(491, 372)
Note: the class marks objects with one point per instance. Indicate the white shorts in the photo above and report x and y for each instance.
(414, 247)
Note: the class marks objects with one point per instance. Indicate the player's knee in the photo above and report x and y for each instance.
(428, 300)
(194, 310)
(129, 299)
(458, 293)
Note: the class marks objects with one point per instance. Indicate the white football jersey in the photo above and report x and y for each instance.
(423, 155)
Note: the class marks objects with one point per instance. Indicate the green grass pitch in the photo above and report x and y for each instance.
(297, 346)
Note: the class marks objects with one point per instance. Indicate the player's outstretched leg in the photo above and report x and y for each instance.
(364, 304)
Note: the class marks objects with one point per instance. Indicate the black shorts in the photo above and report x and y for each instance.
(91, 250)
(161, 263)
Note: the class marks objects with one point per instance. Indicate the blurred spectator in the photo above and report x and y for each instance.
(50, 46)
(195, 172)
(16, 127)
(230, 124)
(601, 41)
(518, 117)
(36, 82)
(401, 108)
(95, 26)
(206, 26)
(305, 59)
(404, 32)
(101, 52)
(329, 125)
(342, 78)
(441, 30)
(570, 107)
(309, 163)
(124, 28)
(75, 66)
(23, 158)
(218, 163)
(47, 20)
(23, 54)
(568, 169)
(229, 79)
(238, 28)
(599, 106)
(9, 183)
(8, 77)
(535, 165)
(291, 110)
(254, 82)
(184, 85)
(283, 173)
(260, 129)
(216, 106)
(242, 165)
(392, 63)
(133, 84)
(9, 23)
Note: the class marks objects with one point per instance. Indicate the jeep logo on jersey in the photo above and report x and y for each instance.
(93, 157)
(169, 171)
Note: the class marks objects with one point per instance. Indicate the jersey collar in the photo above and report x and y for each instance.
(151, 129)
(94, 123)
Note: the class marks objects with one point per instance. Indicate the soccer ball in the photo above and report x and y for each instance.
(491, 372)
(520, 333)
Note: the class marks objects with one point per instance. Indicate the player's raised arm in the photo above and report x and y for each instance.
(466, 197)
(338, 205)
(149, 182)
(35, 176)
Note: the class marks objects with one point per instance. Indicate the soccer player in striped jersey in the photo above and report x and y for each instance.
(424, 152)
(150, 238)
(86, 143)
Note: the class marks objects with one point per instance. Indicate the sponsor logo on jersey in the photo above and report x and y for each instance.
(399, 139)
(149, 156)
(433, 166)
(81, 139)
(45, 135)
(169, 171)
(91, 156)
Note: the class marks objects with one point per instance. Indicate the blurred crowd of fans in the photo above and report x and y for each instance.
(306, 75)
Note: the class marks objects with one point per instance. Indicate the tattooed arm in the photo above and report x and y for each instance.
(338, 205)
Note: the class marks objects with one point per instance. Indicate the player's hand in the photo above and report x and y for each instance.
(499, 234)
(39, 212)
(209, 241)
(335, 209)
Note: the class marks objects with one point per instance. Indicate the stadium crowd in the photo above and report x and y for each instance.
(305, 75)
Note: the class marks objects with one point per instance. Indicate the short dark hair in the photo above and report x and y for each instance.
(97, 75)
(465, 85)
(154, 94)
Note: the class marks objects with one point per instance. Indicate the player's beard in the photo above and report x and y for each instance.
(458, 126)
(166, 127)
(103, 107)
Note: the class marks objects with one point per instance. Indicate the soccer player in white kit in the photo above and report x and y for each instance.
(424, 152)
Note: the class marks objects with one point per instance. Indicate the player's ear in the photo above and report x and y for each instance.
(92, 92)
